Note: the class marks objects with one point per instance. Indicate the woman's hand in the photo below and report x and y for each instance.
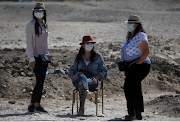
(95, 79)
(32, 64)
(72, 78)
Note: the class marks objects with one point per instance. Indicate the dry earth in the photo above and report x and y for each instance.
(104, 21)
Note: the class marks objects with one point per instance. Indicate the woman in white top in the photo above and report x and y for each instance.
(135, 52)
(37, 45)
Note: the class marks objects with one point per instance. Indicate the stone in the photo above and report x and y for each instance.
(23, 74)
(2, 66)
(24, 90)
(110, 45)
(67, 98)
(12, 101)
(28, 89)
(167, 48)
(55, 63)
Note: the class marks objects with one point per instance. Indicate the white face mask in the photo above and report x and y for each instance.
(39, 15)
(130, 27)
(89, 47)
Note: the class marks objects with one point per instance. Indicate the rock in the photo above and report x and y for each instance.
(24, 90)
(110, 45)
(43, 96)
(23, 74)
(113, 66)
(58, 70)
(55, 63)
(15, 74)
(15, 59)
(67, 98)
(12, 101)
(167, 48)
(112, 56)
(22, 62)
(28, 89)
(44, 91)
(60, 38)
(100, 116)
(116, 48)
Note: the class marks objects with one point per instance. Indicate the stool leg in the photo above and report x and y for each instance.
(73, 101)
(96, 95)
(102, 97)
(77, 101)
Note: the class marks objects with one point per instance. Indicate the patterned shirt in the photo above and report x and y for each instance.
(131, 51)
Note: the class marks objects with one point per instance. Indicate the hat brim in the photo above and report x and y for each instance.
(87, 41)
(133, 21)
(38, 9)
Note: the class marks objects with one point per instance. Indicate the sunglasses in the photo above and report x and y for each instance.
(40, 11)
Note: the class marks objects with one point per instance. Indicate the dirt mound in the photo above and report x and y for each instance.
(18, 80)
(168, 105)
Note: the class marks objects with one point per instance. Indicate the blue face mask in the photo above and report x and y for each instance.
(130, 27)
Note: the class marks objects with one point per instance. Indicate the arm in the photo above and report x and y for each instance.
(29, 42)
(72, 70)
(144, 46)
(102, 69)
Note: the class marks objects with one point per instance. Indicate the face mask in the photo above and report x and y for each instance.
(130, 27)
(88, 47)
(39, 15)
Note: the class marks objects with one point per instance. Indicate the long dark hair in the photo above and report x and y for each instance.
(138, 29)
(82, 52)
(37, 23)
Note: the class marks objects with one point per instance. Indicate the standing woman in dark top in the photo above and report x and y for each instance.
(37, 45)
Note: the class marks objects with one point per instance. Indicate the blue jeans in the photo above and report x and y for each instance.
(80, 82)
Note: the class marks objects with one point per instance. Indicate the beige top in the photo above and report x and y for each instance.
(41, 45)
(30, 40)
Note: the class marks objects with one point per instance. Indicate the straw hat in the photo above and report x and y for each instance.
(39, 6)
(134, 18)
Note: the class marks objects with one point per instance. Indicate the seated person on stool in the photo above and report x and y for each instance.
(88, 66)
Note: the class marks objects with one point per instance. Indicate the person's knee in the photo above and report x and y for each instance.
(80, 74)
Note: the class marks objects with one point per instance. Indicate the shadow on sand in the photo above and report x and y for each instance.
(74, 116)
(23, 114)
(117, 119)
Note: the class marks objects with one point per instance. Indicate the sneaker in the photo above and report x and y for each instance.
(129, 117)
(89, 95)
(31, 108)
(80, 113)
(138, 116)
(40, 109)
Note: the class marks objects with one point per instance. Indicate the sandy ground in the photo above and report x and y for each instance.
(68, 22)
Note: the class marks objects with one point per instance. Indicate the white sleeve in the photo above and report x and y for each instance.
(143, 37)
(29, 42)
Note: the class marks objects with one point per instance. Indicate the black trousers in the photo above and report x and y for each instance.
(40, 73)
(132, 87)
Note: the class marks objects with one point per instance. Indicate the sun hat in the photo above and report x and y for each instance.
(134, 18)
(39, 6)
(87, 39)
